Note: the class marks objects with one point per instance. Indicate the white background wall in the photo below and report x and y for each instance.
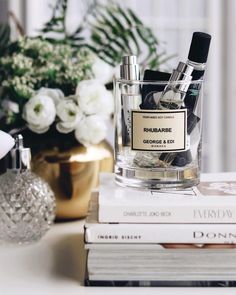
(173, 21)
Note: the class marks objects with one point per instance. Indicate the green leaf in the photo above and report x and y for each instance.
(136, 20)
(111, 39)
(116, 31)
(78, 30)
(124, 15)
(128, 31)
(5, 32)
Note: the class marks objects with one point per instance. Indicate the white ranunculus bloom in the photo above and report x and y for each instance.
(56, 94)
(69, 114)
(39, 112)
(94, 98)
(102, 71)
(91, 130)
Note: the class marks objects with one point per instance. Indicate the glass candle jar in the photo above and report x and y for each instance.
(158, 131)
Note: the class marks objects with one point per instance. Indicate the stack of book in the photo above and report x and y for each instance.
(162, 238)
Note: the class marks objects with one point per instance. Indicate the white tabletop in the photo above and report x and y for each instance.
(55, 265)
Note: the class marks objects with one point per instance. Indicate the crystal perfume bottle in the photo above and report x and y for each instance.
(27, 204)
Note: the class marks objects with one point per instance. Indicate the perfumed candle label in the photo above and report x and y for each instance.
(159, 130)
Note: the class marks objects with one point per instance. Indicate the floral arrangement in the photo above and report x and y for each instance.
(59, 85)
(45, 85)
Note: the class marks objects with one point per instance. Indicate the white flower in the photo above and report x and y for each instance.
(39, 112)
(91, 130)
(69, 114)
(56, 94)
(94, 98)
(102, 71)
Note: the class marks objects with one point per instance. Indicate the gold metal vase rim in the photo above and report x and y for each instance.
(77, 154)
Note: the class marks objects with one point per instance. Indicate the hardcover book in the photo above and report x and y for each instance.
(137, 264)
(212, 201)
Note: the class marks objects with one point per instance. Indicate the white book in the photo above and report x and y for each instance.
(96, 232)
(213, 201)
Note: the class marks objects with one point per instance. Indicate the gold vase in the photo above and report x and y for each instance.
(73, 174)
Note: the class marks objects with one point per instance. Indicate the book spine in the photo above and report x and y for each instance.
(161, 233)
(168, 214)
